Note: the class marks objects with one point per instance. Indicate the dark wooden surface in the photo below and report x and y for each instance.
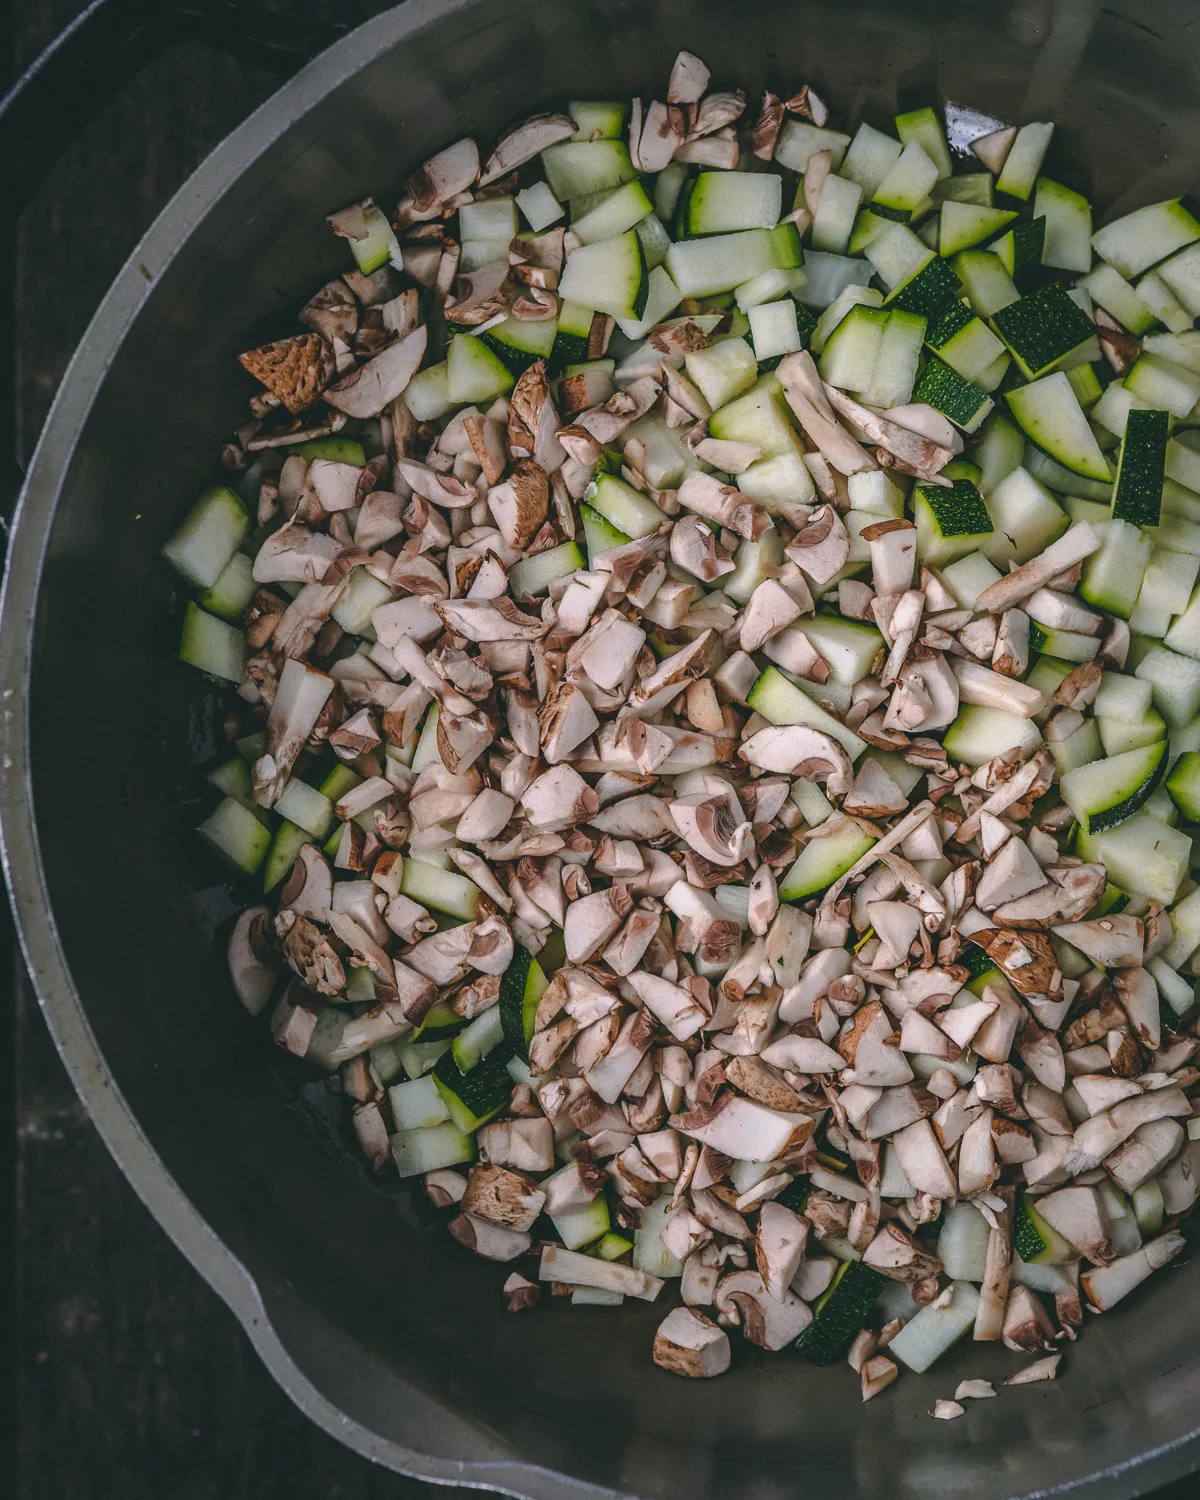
(133, 1379)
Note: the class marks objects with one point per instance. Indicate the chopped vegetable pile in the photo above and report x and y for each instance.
(717, 720)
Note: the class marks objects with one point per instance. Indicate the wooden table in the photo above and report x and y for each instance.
(133, 1379)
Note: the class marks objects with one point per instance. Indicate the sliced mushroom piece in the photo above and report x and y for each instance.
(796, 750)
(688, 1343)
(593, 920)
(768, 1321)
(1104, 1286)
(481, 294)
(253, 964)
(992, 149)
(294, 370)
(747, 1131)
(822, 546)
(689, 79)
(897, 1255)
(523, 142)
(714, 827)
(1012, 872)
(1027, 1325)
(373, 386)
(502, 1197)
(300, 697)
(492, 1241)
(438, 181)
(1114, 942)
(923, 1160)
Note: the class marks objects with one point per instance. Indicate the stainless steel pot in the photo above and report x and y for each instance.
(382, 1329)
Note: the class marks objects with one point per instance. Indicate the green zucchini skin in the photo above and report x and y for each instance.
(1141, 468)
(1043, 327)
(839, 1314)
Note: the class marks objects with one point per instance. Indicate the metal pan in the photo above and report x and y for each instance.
(382, 1329)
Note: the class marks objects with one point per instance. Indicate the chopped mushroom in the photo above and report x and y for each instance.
(722, 825)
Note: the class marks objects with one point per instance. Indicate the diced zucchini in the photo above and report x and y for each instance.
(598, 119)
(1000, 450)
(539, 205)
(963, 1242)
(583, 1226)
(1043, 328)
(1143, 856)
(905, 184)
(1024, 160)
(443, 890)
(1109, 290)
(1035, 1241)
(922, 125)
(827, 276)
(622, 506)
(1048, 412)
(1141, 467)
(723, 202)
(721, 262)
(963, 225)
(723, 370)
(416, 1152)
(234, 832)
(979, 734)
(1019, 251)
(303, 805)
(870, 157)
(781, 702)
(1112, 577)
(1181, 274)
(609, 276)
(964, 341)
(533, 575)
(477, 1095)
(427, 394)
(1162, 383)
(574, 168)
(233, 590)
(618, 212)
(1163, 303)
(287, 843)
(1183, 784)
(378, 245)
(519, 343)
(837, 209)
(417, 1105)
(1174, 682)
(775, 330)
(521, 987)
(474, 1043)
(599, 533)
(1068, 217)
(213, 645)
(825, 857)
(988, 286)
(1110, 791)
(947, 391)
(840, 1311)
(848, 359)
(1142, 238)
(1025, 516)
(798, 140)
(934, 1330)
(951, 521)
(212, 532)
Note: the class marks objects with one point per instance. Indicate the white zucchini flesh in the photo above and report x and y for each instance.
(934, 1330)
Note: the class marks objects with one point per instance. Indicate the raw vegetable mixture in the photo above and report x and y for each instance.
(714, 620)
